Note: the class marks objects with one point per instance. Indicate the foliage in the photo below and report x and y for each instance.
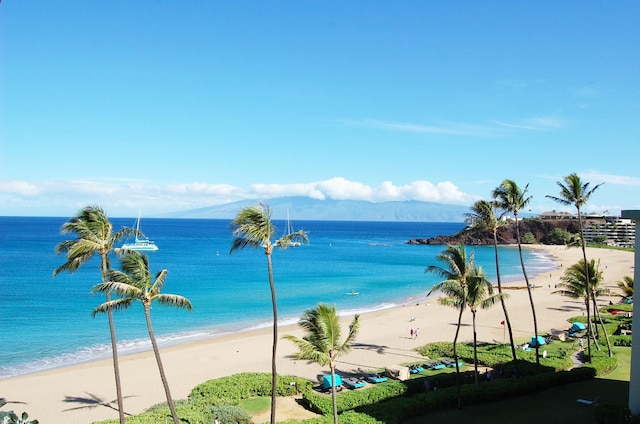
(95, 236)
(529, 238)
(626, 287)
(135, 283)
(613, 414)
(321, 403)
(252, 227)
(161, 414)
(230, 390)
(230, 414)
(10, 417)
(347, 417)
(321, 343)
(557, 236)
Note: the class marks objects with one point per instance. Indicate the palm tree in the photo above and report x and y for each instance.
(94, 236)
(483, 217)
(575, 286)
(479, 295)
(457, 269)
(252, 227)
(626, 287)
(134, 283)
(510, 197)
(573, 192)
(322, 344)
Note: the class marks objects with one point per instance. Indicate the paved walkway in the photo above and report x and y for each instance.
(578, 359)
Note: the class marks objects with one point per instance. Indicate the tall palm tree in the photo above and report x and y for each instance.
(456, 270)
(510, 197)
(252, 227)
(94, 236)
(574, 285)
(484, 218)
(479, 296)
(322, 344)
(573, 192)
(134, 283)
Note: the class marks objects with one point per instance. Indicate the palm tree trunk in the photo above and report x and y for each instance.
(333, 394)
(596, 311)
(475, 348)
(504, 306)
(274, 375)
(455, 356)
(588, 284)
(526, 279)
(114, 345)
(163, 377)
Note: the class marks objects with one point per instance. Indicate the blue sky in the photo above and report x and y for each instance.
(168, 105)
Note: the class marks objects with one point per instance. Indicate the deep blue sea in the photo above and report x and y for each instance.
(46, 322)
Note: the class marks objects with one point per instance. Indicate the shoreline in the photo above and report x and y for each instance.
(85, 392)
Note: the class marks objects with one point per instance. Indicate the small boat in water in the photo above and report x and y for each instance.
(288, 231)
(141, 243)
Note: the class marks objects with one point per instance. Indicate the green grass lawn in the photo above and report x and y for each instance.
(255, 404)
(554, 405)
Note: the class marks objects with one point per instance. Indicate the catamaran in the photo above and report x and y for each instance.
(289, 230)
(141, 242)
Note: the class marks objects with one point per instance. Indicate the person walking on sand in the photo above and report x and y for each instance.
(411, 333)
(415, 333)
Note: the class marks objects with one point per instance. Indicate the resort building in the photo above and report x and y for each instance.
(613, 231)
(605, 229)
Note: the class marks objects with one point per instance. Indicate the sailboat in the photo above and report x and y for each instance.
(289, 230)
(141, 243)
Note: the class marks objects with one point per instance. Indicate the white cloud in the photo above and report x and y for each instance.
(541, 123)
(598, 177)
(22, 188)
(127, 197)
(445, 128)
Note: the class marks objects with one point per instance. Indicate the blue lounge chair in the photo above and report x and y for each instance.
(353, 383)
(326, 382)
(415, 369)
(375, 378)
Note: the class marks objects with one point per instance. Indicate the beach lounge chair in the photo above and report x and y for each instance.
(375, 378)
(452, 363)
(326, 383)
(436, 365)
(353, 382)
(415, 369)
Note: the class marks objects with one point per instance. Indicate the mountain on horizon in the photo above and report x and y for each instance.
(304, 208)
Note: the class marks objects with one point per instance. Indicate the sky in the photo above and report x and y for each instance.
(170, 105)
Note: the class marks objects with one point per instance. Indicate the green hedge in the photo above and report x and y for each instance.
(348, 400)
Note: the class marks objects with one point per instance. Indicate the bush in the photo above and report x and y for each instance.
(230, 390)
(322, 403)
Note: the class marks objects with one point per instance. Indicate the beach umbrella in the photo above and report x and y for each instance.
(577, 326)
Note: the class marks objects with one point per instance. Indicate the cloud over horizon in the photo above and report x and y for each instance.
(18, 197)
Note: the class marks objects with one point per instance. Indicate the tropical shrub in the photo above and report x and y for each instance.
(10, 417)
(321, 403)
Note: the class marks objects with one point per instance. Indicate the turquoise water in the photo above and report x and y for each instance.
(47, 323)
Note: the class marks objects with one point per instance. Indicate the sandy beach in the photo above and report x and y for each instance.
(86, 393)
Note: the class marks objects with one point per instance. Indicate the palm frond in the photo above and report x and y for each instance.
(174, 300)
(115, 305)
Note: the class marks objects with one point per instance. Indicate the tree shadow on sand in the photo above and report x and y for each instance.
(91, 401)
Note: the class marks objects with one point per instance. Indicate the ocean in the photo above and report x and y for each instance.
(47, 322)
